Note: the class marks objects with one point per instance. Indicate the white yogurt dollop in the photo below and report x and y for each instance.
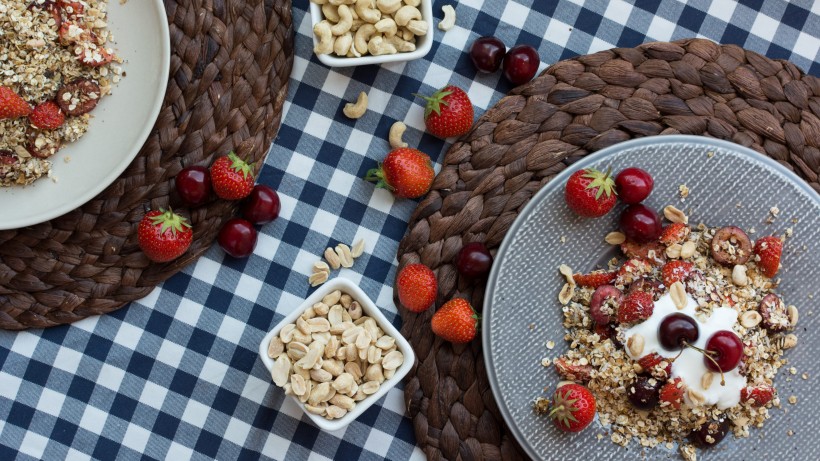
(690, 366)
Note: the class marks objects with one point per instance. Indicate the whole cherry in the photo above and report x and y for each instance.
(193, 184)
(262, 206)
(487, 53)
(640, 223)
(676, 330)
(474, 260)
(725, 349)
(520, 64)
(634, 185)
(237, 237)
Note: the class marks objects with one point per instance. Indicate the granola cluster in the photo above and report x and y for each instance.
(45, 45)
(597, 356)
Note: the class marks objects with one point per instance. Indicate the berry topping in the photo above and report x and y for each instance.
(631, 271)
(12, 105)
(644, 392)
(572, 407)
(768, 251)
(640, 223)
(677, 330)
(760, 394)
(672, 393)
(724, 351)
(711, 433)
(656, 365)
(731, 246)
(569, 371)
(674, 233)
(676, 271)
(636, 306)
(47, 116)
(590, 193)
(634, 185)
(604, 304)
(594, 279)
(774, 312)
(653, 252)
(649, 285)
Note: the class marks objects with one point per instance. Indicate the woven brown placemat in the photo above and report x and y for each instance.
(576, 107)
(230, 64)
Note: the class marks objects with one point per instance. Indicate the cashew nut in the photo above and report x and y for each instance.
(343, 44)
(396, 132)
(330, 12)
(357, 109)
(387, 26)
(322, 31)
(405, 14)
(407, 34)
(318, 2)
(353, 53)
(388, 6)
(362, 37)
(345, 21)
(401, 44)
(338, 2)
(356, 24)
(367, 11)
(415, 3)
(377, 46)
(417, 27)
(449, 18)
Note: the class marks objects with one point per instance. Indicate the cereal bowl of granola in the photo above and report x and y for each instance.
(694, 334)
(81, 84)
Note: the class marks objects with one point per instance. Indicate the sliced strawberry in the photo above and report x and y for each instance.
(572, 372)
(674, 233)
(672, 392)
(675, 271)
(760, 394)
(768, 251)
(594, 279)
(632, 270)
(651, 363)
(636, 306)
(652, 251)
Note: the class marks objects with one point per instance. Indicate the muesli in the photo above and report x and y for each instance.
(681, 343)
(55, 66)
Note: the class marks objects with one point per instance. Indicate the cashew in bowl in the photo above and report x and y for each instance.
(415, 3)
(366, 9)
(396, 132)
(343, 44)
(387, 27)
(345, 21)
(401, 44)
(363, 36)
(330, 12)
(357, 109)
(322, 31)
(388, 6)
(418, 28)
(449, 18)
(406, 14)
(377, 46)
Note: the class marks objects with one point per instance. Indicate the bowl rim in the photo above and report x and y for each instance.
(425, 43)
(369, 308)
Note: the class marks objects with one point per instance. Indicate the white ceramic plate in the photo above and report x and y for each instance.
(120, 124)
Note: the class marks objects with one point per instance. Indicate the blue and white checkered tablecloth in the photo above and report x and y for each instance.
(176, 375)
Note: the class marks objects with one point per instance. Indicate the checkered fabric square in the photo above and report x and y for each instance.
(176, 375)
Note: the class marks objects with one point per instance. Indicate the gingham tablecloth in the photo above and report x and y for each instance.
(176, 375)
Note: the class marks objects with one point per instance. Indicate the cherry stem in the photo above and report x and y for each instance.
(708, 355)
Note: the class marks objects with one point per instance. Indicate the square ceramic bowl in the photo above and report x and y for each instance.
(423, 43)
(370, 309)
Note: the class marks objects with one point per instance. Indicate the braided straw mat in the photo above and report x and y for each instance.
(230, 64)
(576, 107)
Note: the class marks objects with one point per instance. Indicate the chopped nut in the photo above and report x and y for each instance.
(674, 251)
(615, 238)
(792, 312)
(739, 275)
(635, 343)
(706, 380)
(750, 319)
(688, 249)
(566, 293)
(675, 215)
(678, 294)
(333, 259)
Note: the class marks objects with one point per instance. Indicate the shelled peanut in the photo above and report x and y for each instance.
(355, 28)
(333, 356)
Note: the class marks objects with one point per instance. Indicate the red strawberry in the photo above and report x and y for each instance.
(590, 193)
(674, 233)
(71, 9)
(650, 364)
(448, 112)
(231, 177)
(594, 279)
(571, 372)
(406, 172)
(675, 271)
(47, 116)
(768, 251)
(94, 56)
(12, 105)
(456, 321)
(760, 394)
(632, 270)
(672, 392)
(637, 305)
(416, 286)
(653, 252)
(572, 407)
(164, 235)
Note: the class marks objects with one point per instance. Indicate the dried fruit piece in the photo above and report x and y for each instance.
(759, 395)
(594, 279)
(774, 313)
(653, 252)
(572, 372)
(78, 97)
(631, 271)
(604, 304)
(731, 246)
(768, 251)
(674, 233)
(636, 306)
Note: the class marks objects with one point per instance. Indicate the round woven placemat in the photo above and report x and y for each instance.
(230, 64)
(576, 107)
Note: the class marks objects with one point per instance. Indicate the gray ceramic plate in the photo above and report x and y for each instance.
(734, 186)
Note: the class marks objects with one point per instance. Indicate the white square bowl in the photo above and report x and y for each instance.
(370, 309)
(423, 43)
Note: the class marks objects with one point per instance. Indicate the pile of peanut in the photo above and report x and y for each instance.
(333, 356)
(355, 28)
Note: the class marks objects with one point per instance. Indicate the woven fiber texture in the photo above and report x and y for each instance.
(576, 107)
(230, 63)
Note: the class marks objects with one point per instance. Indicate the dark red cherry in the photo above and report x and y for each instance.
(641, 223)
(520, 64)
(474, 260)
(237, 237)
(193, 185)
(677, 329)
(262, 206)
(711, 433)
(487, 53)
(633, 185)
(644, 392)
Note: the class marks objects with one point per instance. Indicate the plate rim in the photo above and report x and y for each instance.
(113, 174)
(539, 196)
